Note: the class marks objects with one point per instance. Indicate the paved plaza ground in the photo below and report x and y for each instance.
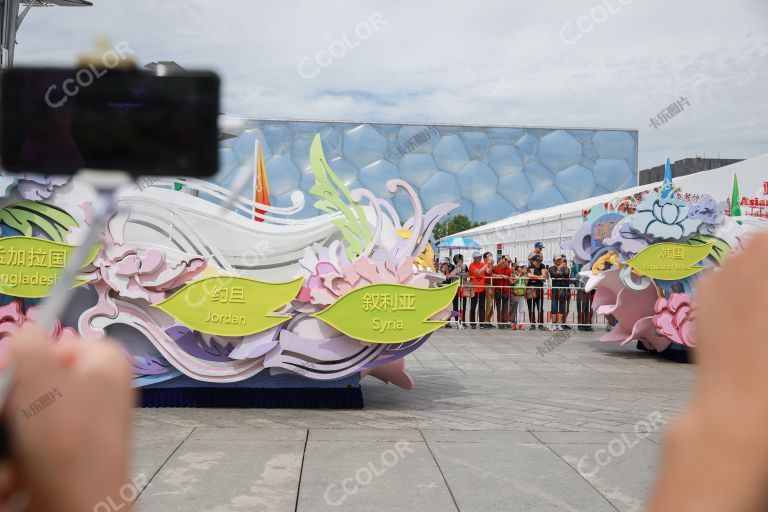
(493, 424)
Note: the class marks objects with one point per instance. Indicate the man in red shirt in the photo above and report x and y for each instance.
(477, 278)
(502, 281)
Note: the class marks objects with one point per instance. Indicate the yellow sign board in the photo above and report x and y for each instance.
(669, 261)
(388, 313)
(231, 306)
(30, 267)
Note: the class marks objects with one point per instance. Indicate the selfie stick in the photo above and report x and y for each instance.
(106, 184)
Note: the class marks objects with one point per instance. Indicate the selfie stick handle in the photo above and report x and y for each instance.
(104, 207)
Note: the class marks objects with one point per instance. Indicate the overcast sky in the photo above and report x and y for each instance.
(573, 63)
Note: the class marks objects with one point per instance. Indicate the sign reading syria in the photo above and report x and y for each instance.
(670, 261)
(388, 313)
(231, 306)
(30, 267)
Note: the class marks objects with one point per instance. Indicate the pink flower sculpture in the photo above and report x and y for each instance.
(144, 273)
(12, 318)
(672, 318)
(631, 309)
(139, 273)
(364, 271)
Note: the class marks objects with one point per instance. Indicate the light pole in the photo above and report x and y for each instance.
(11, 16)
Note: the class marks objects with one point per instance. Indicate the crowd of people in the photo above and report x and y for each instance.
(497, 293)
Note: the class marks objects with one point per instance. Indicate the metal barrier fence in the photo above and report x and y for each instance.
(539, 307)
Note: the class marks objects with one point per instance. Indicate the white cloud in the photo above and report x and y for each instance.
(492, 61)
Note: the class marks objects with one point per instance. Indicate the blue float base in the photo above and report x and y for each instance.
(261, 391)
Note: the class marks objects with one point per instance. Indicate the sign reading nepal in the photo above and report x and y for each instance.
(388, 313)
(231, 306)
(669, 261)
(30, 267)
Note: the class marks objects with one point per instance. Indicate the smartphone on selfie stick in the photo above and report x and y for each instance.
(108, 126)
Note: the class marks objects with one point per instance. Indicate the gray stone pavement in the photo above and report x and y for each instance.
(492, 424)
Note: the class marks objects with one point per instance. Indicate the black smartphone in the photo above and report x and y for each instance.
(58, 121)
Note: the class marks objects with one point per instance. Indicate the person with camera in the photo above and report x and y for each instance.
(537, 276)
(460, 300)
(490, 290)
(560, 274)
(518, 297)
(477, 280)
(502, 278)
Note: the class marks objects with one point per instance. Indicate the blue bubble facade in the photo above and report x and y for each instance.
(491, 172)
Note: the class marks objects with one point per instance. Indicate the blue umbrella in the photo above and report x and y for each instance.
(459, 242)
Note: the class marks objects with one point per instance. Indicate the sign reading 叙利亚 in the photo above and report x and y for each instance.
(231, 306)
(670, 261)
(30, 267)
(388, 313)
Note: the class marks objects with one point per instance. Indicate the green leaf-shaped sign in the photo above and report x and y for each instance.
(388, 313)
(29, 267)
(231, 306)
(668, 261)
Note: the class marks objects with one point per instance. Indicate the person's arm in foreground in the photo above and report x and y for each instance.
(75, 452)
(716, 454)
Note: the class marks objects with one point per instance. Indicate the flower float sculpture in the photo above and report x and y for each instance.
(185, 278)
(656, 252)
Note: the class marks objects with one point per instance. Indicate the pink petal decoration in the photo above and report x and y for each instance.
(152, 261)
(645, 331)
(391, 373)
(367, 269)
(672, 318)
(129, 265)
(13, 318)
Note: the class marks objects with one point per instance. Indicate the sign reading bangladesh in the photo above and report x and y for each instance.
(231, 306)
(388, 313)
(30, 267)
(670, 261)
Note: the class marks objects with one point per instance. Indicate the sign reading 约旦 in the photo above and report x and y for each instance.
(388, 313)
(30, 267)
(669, 261)
(231, 306)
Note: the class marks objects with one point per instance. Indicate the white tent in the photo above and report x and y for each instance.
(516, 235)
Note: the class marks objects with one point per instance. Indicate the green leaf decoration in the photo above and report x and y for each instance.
(24, 216)
(30, 267)
(231, 306)
(388, 313)
(334, 196)
(720, 248)
(669, 261)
